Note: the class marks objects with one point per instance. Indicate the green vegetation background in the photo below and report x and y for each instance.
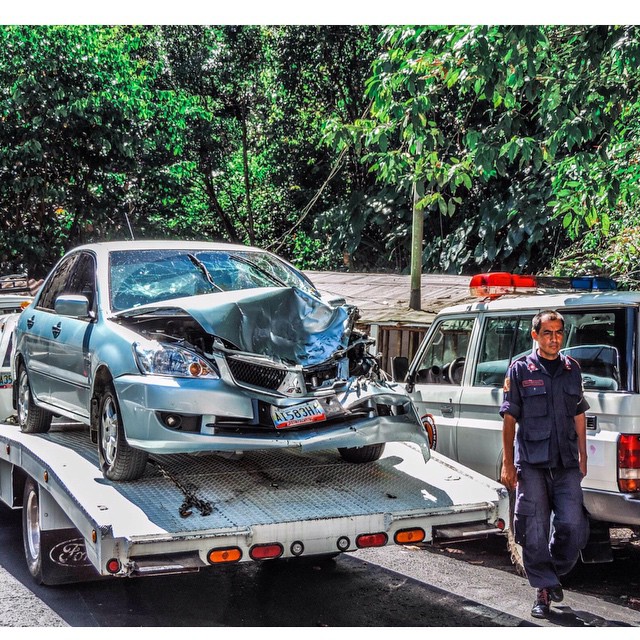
(521, 143)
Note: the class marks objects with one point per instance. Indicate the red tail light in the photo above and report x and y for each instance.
(371, 540)
(629, 463)
(266, 551)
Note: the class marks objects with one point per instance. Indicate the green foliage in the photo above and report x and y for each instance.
(514, 135)
(186, 131)
(522, 142)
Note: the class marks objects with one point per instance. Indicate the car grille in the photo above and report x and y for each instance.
(256, 375)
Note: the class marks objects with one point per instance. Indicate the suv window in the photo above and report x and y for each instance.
(504, 338)
(598, 340)
(444, 357)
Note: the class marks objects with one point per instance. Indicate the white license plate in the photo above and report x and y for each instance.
(300, 414)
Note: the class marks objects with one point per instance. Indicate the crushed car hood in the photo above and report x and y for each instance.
(284, 323)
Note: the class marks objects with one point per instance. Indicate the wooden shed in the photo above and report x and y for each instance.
(383, 301)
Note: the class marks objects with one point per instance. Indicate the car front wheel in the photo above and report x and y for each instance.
(118, 460)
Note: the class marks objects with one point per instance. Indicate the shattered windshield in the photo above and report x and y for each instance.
(149, 276)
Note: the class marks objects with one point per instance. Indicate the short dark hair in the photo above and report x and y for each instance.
(546, 315)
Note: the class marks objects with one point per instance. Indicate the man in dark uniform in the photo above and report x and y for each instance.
(543, 396)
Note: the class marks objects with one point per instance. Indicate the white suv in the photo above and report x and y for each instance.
(459, 370)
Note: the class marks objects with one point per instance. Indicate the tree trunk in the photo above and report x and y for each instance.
(417, 232)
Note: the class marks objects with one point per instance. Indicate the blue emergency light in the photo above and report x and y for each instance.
(593, 283)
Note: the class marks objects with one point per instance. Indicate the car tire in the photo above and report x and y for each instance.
(359, 455)
(31, 418)
(118, 460)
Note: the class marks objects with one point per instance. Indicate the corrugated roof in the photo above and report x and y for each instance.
(383, 298)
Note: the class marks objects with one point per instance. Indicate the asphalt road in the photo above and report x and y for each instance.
(389, 587)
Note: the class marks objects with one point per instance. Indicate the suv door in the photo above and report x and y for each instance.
(437, 373)
(502, 338)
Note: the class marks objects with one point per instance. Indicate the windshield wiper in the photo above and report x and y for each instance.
(263, 271)
(198, 263)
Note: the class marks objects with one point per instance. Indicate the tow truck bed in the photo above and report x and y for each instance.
(302, 504)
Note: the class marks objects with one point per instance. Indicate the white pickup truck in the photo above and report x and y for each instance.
(458, 373)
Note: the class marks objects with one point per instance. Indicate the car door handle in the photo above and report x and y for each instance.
(447, 410)
(30, 322)
(55, 330)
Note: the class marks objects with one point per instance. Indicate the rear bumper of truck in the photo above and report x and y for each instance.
(621, 509)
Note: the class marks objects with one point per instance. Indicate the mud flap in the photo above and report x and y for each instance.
(598, 549)
(66, 558)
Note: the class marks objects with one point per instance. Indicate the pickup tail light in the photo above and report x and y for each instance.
(629, 463)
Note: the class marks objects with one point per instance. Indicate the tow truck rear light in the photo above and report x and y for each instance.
(365, 540)
(113, 565)
(266, 551)
(409, 536)
(222, 555)
(629, 463)
(499, 283)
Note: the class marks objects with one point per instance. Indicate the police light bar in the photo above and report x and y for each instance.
(499, 283)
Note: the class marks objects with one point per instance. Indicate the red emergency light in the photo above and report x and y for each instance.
(500, 283)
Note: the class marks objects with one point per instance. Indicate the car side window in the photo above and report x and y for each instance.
(82, 280)
(444, 357)
(55, 286)
(504, 338)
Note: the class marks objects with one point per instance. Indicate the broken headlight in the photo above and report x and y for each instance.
(160, 359)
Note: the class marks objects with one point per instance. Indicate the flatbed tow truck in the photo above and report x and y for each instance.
(189, 512)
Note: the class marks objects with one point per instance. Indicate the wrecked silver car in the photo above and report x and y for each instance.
(182, 347)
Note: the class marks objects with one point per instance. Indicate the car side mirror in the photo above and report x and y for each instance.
(399, 368)
(74, 306)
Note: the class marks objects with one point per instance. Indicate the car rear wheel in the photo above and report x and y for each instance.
(118, 460)
(359, 455)
(31, 418)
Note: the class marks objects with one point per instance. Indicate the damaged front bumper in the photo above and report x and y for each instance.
(226, 419)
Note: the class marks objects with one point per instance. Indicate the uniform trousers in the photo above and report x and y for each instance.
(550, 522)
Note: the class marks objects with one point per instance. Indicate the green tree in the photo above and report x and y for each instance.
(80, 116)
(511, 134)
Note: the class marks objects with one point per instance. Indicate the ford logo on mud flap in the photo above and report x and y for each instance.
(70, 553)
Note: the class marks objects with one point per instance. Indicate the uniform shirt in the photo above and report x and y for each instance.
(544, 406)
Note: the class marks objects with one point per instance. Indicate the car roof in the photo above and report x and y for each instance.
(556, 300)
(147, 245)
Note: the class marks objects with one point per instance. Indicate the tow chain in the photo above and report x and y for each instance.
(190, 498)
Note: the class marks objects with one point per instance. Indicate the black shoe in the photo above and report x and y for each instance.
(540, 607)
(555, 593)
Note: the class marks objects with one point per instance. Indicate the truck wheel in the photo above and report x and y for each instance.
(118, 460)
(31, 418)
(515, 550)
(358, 455)
(53, 557)
(34, 552)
